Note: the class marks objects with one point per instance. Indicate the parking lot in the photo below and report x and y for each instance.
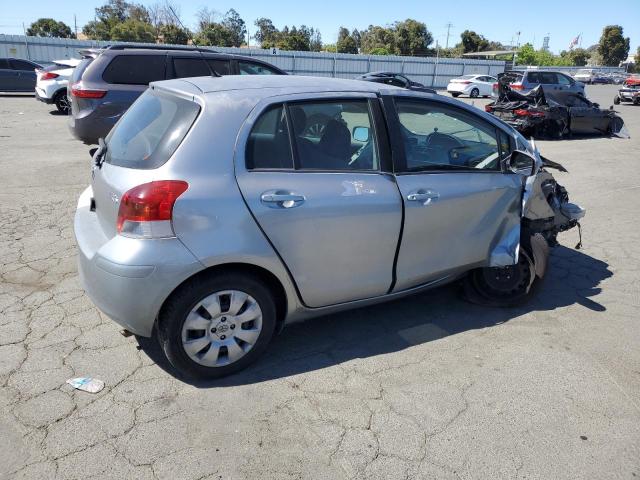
(425, 387)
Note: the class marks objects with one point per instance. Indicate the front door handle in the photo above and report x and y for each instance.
(424, 196)
(282, 199)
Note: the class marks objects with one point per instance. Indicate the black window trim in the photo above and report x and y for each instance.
(377, 122)
(397, 145)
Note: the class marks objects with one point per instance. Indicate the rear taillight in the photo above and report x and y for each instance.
(77, 90)
(49, 76)
(517, 86)
(146, 210)
(520, 112)
(495, 86)
(465, 82)
(488, 108)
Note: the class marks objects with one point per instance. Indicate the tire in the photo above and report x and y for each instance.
(210, 354)
(455, 94)
(508, 286)
(636, 101)
(616, 100)
(62, 102)
(474, 93)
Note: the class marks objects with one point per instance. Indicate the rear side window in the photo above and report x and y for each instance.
(268, 145)
(22, 65)
(221, 67)
(250, 68)
(150, 131)
(190, 67)
(135, 69)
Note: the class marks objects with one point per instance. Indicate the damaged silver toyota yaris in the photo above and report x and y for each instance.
(221, 209)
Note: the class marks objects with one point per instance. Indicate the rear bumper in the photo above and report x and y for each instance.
(41, 96)
(90, 128)
(128, 279)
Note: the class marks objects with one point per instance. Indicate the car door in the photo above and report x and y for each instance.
(586, 117)
(566, 86)
(323, 196)
(7, 76)
(25, 75)
(461, 211)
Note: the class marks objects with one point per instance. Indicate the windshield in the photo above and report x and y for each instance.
(151, 130)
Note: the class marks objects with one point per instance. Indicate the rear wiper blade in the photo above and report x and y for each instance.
(98, 157)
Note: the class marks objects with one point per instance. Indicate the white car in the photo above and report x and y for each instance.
(586, 75)
(51, 83)
(472, 85)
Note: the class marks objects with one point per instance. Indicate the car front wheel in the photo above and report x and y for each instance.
(512, 285)
(217, 325)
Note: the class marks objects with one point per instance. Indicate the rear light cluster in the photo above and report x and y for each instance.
(520, 112)
(516, 86)
(77, 90)
(49, 76)
(146, 210)
(488, 108)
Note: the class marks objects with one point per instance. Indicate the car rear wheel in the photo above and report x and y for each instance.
(455, 94)
(62, 102)
(616, 100)
(474, 93)
(217, 325)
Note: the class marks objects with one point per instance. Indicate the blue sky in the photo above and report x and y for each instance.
(561, 20)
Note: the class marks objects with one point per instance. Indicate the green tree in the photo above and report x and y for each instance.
(133, 31)
(526, 55)
(346, 43)
(48, 27)
(377, 39)
(214, 34)
(236, 26)
(579, 57)
(110, 18)
(613, 47)
(412, 37)
(174, 34)
(267, 34)
(472, 42)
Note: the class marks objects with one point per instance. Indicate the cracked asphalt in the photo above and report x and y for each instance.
(425, 387)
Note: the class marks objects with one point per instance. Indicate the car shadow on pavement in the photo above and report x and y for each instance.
(572, 278)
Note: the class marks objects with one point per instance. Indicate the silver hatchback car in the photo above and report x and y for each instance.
(222, 208)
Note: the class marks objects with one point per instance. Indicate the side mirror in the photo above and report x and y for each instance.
(361, 134)
(521, 162)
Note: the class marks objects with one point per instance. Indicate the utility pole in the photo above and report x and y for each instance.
(75, 25)
(518, 44)
(449, 25)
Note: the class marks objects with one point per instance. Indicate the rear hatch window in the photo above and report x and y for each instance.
(150, 131)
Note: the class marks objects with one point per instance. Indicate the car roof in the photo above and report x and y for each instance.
(293, 84)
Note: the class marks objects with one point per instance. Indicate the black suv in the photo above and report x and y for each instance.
(109, 80)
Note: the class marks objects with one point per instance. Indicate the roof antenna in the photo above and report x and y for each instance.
(198, 49)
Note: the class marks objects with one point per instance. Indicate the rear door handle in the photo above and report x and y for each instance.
(282, 199)
(424, 196)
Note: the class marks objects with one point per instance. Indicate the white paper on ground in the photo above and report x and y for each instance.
(87, 384)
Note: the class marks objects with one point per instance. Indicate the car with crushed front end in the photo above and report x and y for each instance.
(215, 217)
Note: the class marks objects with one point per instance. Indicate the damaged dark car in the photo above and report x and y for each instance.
(541, 114)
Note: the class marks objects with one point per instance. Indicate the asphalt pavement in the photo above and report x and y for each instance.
(424, 387)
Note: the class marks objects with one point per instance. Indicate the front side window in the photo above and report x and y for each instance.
(438, 137)
(250, 68)
(135, 69)
(563, 80)
(150, 131)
